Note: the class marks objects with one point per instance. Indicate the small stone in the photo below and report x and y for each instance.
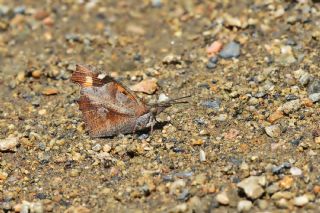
(222, 198)
(211, 65)
(314, 97)
(273, 131)
(262, 204)
(314, 87)
(286, 182)
(74, 172)
(21, 77)
(36, 73)
(273, 188)
(106, 148)
(96, 147)
(179, 208)
(202, 156)
(50, 91)
(171, 59)
(244, 205)
(156, 3)
(214, 48)
(163, 98)
(282, 203)
(295, 171)
(148, 86)
(275, 116)
(231, 50)
(41, 14)
(252, 186)
(301, 200)
(200, 179)
(212, 104)
(316, 189)
(9, 144)
(282, 194)
(42, 112)
(197, 142)
(3, 175)
(178, 184)
(291, 106)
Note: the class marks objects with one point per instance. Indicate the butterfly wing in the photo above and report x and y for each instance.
(108, 107)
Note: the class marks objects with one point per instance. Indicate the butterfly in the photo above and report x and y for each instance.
(109, 108)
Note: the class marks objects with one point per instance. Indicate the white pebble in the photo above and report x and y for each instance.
(8, 144)
(244, 205)
(295, 171)
(202, 155)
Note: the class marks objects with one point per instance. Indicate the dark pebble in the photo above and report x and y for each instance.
(280, 169)
(137, 57)
(178, 150)
(204, 85)
(211, 65)
(291, 97)
(41, 196)
(296, 142)
(213, 59)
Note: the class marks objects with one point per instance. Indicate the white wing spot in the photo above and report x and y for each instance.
(101, 76)
(89, 80)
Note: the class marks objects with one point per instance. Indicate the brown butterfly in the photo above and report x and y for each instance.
(110, 108)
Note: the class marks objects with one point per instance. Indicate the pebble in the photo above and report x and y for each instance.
(178, 184)
(286, 182)
(314, 87)
(282, 203)
(291, 106)
(211, 65)
(280, 169)
(275, 116)
(202, 156)
(295, 171)
(21, 76)
(231, 50)
(50, 91)
(148, 86)
(301, 200)
(262, 204)
(212, 104)
(314, 97)
(36, 73)
(96, 147)
(106, 148)
(214, 49)
(9, 144)
(222, 198)
(3, 175)
(282, 194)
(244, 205)
(163, 98)
(273, 131)
(156, 3)
(252, 186)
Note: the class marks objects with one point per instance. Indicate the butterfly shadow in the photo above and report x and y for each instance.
(149, 131)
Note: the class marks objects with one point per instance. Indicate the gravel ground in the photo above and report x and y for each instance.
(247, 141)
